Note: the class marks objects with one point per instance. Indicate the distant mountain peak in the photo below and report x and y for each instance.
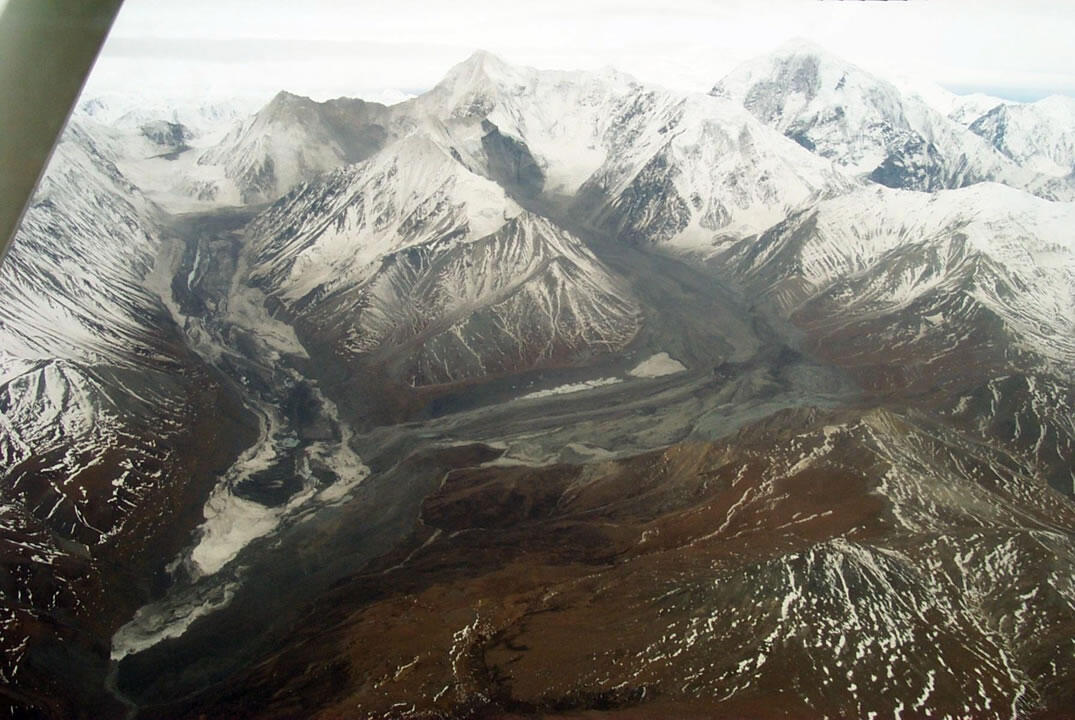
(470, 88)
(800, 46)
(1037, 135)
(799, 66)
(285, 107)
(1064, 103)
(285, 98)
(840, 111)
(800, 53)
(481, 64)
(484, 58)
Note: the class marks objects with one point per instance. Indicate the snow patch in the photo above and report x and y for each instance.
(657, 365)
(572, 388)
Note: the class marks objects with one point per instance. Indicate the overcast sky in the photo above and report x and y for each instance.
(1022, 49)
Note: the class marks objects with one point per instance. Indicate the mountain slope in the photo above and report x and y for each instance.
(862, 123)
(693, 172)
(293, 139)
(961, 300)
(84, 213)
(417, 262)
(1038, 135)
(880, 251)
(100, 405)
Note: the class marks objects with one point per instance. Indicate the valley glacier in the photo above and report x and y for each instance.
(546, 392)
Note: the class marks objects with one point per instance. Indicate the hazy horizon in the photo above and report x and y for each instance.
(329, 49)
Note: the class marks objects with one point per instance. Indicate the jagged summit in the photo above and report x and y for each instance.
(294, 138)
(484, 82)
(286, 107)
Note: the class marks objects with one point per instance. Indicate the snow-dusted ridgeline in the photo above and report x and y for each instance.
(412, 255)
(1038, 135)
(867, 125)
(130, 111)
(293, 139)
(645, 163)
(936, 592)
(693, 172)
(96, 394)
(961, 109)
(881, 251)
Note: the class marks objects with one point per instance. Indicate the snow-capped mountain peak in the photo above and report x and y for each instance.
(798, 67)
(294, 138)
(412, 193)
(470, 87)
(411, 256)
(481, 62)
(1038, 135)
(866, 125)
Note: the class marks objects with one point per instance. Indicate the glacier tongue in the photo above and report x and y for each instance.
(302, 459)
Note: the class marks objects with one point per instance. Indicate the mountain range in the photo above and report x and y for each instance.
(545, 393)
